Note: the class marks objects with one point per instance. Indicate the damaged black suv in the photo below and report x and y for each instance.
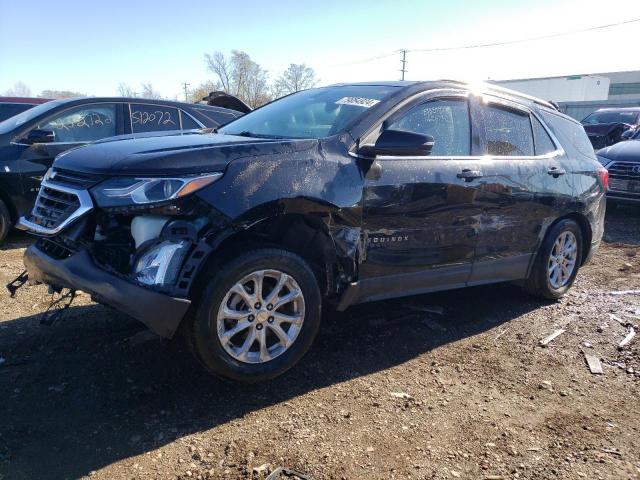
(325, 198)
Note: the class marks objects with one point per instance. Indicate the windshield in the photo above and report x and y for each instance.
(22, 118)
(611, 117)
(315, 113)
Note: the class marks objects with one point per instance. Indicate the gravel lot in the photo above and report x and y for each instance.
(390, 390)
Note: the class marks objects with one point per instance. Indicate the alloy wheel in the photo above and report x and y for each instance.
(562, 260)
(260, 316)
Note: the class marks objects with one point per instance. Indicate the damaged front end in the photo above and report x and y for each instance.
(135, 244)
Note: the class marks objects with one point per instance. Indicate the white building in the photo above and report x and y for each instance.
(579, 95)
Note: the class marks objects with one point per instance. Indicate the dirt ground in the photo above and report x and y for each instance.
(390, 390)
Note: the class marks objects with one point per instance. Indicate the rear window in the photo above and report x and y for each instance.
(570, 134)
(508, 132)
(153, 118)
(543, 141)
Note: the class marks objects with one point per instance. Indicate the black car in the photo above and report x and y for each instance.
(607, 126)
(622, 160)
(328, 197)
(10, 106)
(30, 140)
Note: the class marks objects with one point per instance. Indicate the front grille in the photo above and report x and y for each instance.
(53, 207)
(74, 179)
(54, 249)
(629, 170)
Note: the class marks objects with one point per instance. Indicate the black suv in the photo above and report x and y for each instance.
(31, 140)
(328, 197)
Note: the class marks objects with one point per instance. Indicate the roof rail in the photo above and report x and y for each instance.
(513, 93)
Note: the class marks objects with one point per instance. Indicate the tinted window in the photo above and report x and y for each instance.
(544, 144)
(447, 121)
(188, 123)
(86, 123)
(508, 132)
(8, 110)
(153, 118)
(570, 134)
(611, 117)
(314, 113)
(219, 118)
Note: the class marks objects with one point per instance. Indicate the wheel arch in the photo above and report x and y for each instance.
(585, 230)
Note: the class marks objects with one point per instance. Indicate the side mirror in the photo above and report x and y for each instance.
(39, 136)
(399, 143)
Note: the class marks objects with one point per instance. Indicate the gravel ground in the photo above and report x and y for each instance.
(390, 390)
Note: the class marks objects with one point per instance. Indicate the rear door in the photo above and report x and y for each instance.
(421, 214)
(526, 188)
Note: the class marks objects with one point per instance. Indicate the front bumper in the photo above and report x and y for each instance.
(162, 314)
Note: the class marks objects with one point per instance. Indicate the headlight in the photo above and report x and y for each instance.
(122, 191)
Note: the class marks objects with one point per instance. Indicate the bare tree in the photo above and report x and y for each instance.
(295, 78)
(124, 90)
(219, 65)
(20, 89)
(149, 92)
(60, 94)
(241, 76)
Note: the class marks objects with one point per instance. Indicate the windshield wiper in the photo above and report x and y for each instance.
(247, 133)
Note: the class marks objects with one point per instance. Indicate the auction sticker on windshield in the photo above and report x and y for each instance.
(357, 101)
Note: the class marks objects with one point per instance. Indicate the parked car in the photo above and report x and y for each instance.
(331, 196)
(607, 126)
(30, 141)
(622, 160)
(10, 106)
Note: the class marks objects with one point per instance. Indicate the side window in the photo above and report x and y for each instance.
(446, 120)
(153, 118)
(188, 123)
(86, 123)
(570, 134)
(543, 141)
(508, 132)
(220, 118)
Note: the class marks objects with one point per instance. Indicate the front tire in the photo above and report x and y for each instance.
(257, 316)
(557, 261)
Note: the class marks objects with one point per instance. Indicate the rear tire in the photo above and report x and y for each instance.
(270, 298)
(557, 261)
(5, 221)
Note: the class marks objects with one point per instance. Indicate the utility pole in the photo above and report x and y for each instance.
(404, 62)
(186, 92)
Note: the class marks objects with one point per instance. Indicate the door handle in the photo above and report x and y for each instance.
(469, 174)
(556, 171)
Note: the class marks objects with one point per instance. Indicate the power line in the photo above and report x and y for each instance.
(483, 45)
(522, 40)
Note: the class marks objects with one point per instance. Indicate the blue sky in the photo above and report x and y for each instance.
(92, 46)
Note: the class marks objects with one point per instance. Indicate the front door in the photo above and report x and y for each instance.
(71, 128)
(421, 214)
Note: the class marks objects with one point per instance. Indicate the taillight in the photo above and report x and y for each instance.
(603, 174)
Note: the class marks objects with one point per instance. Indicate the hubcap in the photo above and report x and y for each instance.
(260, 316)
(562, 260)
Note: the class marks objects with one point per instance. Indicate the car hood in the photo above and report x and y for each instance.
(181, 154)
(604, 128)
(628, 151)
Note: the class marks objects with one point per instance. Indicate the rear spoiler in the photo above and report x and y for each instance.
(225, 100)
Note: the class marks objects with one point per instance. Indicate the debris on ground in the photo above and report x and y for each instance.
(594, 364)
(404, 396)
(546, 340)
(287, 473)
(625, 292)
(628, 338)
